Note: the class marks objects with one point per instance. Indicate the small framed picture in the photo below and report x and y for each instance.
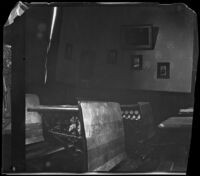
(163, 70)
(112, 56)
(136, 62)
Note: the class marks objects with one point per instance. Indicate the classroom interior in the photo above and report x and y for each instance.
(99, 88)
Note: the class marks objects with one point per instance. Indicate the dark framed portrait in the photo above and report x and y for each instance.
(163, 70)
(136, 62)
(136, 37)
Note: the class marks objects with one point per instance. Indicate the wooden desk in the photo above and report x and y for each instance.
(177, 122)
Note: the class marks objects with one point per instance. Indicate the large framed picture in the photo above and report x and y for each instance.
(136, 37)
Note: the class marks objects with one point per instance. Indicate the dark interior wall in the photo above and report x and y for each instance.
(97, 30)
(37, 31)
(114, 82)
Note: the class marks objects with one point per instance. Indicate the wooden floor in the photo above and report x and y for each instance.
(165, 158)
(131, 165)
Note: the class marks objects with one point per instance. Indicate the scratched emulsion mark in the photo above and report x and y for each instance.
(105, 117)
(103, 122)
(18, 10)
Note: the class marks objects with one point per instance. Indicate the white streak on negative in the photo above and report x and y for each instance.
(51, 33)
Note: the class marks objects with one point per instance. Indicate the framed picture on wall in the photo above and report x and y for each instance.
(136, 62)
(163, 70)
(136, 37)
